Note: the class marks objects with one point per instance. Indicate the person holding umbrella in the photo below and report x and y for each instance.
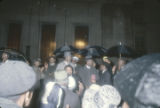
(120, 64)
(139, 82)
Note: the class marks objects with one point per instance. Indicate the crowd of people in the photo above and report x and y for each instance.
(65, 84)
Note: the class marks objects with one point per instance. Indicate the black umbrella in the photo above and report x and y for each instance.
(66, 48)
(121, 51)
(139, 81)
(94, 51)
(13, 54)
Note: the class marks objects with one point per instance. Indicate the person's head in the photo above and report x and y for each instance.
(89, 62)
(37, 62)
(106, 59)
(104, 66)
(46, 65)
(69, 69)
(94, 64)
(107, 97)
(17, 79)
(93, 78)
(61, 77)
(68, 56)
(41, 68)
(121, 63)
(75, 59)
(5, 56)
(52, 59)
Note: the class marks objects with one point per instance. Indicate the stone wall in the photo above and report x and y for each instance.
(109, 23)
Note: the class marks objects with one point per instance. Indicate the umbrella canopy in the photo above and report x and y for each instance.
(13, 54)
(94, 51)
(121, 51)
(139, 81)
(66, 48)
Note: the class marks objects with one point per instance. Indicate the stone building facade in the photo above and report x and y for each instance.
(133, 22)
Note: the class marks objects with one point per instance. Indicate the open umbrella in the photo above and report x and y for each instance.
(66, 48)
(13, 54)
(139, 82)
(121, 51)
(94, 51)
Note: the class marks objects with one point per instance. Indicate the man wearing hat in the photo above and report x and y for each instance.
(105, 74)
(65, 62)
(17, 79)
(86, 71)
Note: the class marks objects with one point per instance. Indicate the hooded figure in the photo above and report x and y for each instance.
(71, 99)
(88, 98)
(17, 79)
(101, 97)
(107, 97)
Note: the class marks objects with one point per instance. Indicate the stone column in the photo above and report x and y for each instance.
(95, 33)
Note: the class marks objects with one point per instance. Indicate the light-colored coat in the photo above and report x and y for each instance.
(5, 103)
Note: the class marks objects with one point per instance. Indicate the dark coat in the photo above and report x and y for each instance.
(71, 99)
(85, 75)
(105, 78)
(51, 69)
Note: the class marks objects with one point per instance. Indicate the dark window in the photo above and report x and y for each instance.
(48, 43)
(14, 35)
(81, 36)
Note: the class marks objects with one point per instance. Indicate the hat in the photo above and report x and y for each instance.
(67, 53)
(105, 57)
(37, 60)
(88, 98)
(107, 97)
(60, 76)
(88, 57)
(75, 58)
(16, 78)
